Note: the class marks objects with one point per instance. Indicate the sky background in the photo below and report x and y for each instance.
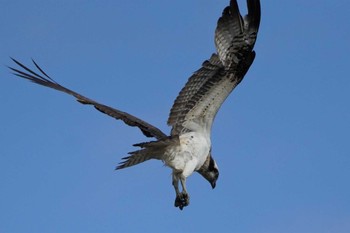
(281, 140)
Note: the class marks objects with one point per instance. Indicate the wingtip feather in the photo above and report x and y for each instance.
(254, 14)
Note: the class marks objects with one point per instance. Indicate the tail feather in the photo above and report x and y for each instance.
(150, 150)
(136, 157)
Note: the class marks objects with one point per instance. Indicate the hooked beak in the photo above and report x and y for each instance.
(213, 184)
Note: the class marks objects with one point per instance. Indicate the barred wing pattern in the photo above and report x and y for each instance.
(197, 86)
(198, 102)
(234, 35)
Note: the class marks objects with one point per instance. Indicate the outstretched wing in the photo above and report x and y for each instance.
(195, 89)
(44, 80)
(198, 102)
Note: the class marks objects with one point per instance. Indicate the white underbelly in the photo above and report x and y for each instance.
(190, 155)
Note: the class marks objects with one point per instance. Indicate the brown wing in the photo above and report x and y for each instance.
(234, 35)
(206, 90)
(44, 80)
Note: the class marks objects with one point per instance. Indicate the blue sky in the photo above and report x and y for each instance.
(281, 139)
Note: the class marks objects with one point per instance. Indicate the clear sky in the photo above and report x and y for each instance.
(281, 140)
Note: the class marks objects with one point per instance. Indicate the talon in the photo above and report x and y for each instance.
(182, 200)
(178, 202)
(185, 199)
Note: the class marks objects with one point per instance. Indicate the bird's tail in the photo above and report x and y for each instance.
(149, 150)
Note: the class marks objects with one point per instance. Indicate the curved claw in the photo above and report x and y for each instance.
(182, 200)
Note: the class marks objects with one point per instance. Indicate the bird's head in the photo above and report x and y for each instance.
(210, 171)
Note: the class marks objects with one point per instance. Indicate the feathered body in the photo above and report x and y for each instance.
(188, 147)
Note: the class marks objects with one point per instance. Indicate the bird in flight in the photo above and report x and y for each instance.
(188, 147)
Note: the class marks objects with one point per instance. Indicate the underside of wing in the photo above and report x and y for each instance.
(206, 90)
(196, 87)
(44, 80)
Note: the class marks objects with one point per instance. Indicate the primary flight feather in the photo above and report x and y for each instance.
(188, 147)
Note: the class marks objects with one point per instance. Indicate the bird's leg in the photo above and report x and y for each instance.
(185, 196)
(178, 201)
(176, 184)
(181, 199)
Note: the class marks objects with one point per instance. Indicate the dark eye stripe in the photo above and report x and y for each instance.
(211, 164)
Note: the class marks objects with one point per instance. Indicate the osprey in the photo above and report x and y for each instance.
(188, 147)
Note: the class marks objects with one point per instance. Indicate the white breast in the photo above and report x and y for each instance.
(189, 155)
